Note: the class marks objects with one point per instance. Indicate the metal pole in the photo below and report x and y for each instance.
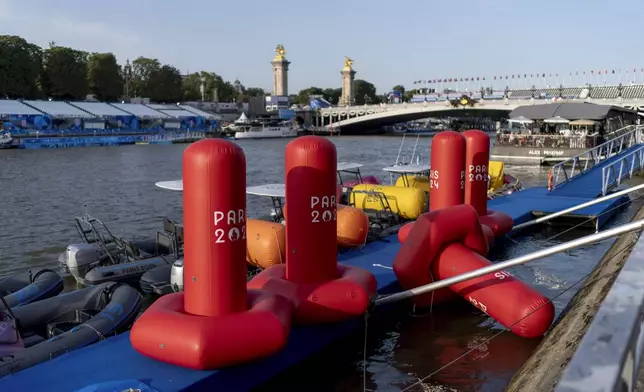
(589, 239)
(578, 207)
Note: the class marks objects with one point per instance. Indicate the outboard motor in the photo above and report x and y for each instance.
(80, 258)
(176, 276)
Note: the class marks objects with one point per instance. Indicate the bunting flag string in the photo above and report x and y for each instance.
(593, 76)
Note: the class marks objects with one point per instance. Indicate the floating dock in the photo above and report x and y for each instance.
(115, 359)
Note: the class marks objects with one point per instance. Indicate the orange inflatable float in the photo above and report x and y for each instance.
(353, 226)
(266, 243)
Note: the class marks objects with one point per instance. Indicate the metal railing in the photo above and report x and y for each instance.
(545, 141)
(625, 166)
(574, 166)
(609, 356)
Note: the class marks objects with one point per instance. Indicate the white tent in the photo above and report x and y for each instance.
(556, 120)
(521, 120)
(242, 119)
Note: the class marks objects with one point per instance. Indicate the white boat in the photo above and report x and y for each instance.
(269, 129)
(5, 140)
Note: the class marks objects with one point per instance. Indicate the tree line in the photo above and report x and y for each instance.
(28, 71)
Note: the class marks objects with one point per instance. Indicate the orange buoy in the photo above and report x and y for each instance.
(266, 243)
(353, 226)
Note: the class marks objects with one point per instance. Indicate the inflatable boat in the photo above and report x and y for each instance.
(103, 257)
(43, 330)
(27, 287)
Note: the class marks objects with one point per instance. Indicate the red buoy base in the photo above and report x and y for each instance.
(499, 222)
(515, 305)
(333, 301)
(430, 233)
(166, 333)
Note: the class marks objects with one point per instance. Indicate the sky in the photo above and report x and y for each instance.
(391, 42)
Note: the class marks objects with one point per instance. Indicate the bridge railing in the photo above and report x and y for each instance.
(545, 141)
(624, 167)
(609, 355)
(574, 166)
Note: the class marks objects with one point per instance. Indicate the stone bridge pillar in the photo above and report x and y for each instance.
(280, 72)
(348, 76)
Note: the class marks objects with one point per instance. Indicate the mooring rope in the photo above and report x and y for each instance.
(487, 340)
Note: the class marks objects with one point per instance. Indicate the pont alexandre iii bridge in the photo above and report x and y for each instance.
(372, 116)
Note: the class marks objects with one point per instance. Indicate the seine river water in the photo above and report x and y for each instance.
(42, 190)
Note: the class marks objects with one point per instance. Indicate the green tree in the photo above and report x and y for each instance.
(104, 77)
(212, 82)
(303, 95)
(365, 92)
(20, 67)
(191, 87)
(410, 94)
(164, 85)
(65, 73)
(332, 95)
(400, 88)
(250, 92)
(142, 69)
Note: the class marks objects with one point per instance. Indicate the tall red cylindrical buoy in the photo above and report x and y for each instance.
(447, 174)
(214, 286)
(511, 302)
(311, 190)
(215, 322)
(477, 160)
(319, 288)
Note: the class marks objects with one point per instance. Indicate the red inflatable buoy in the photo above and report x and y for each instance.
(499, 222)
(447, 174)
(430, 233)
(403, 232)
(215, 322)
(506, 299)
(319, 288)
(477, 160)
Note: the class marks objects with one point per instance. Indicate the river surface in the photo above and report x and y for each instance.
(42, 190)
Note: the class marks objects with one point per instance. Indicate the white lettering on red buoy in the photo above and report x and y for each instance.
(433, 179)
(326, 211)
(463, 179)
(478, 304)
(477, 173)
(502, 275)
(234, 218)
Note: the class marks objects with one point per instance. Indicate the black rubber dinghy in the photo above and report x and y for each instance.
(27, 287)
(43, 330)
(157, 281)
